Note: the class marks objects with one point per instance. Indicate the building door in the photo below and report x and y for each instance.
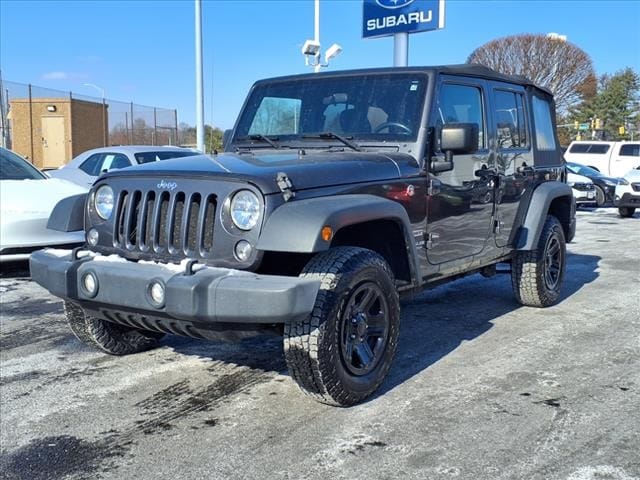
(53, 142)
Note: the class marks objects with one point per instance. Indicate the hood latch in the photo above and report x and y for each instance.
(285, 186)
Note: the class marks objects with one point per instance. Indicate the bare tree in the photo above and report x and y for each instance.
(548, 61)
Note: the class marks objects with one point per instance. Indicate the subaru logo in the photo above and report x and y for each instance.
(392, 4)
(164, 185)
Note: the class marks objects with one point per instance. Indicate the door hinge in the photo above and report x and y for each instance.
(432, 239)
(434, 187)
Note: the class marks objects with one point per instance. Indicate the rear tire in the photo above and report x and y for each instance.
(341, 353)
(537, 275)
(106, 336)
(626, 212)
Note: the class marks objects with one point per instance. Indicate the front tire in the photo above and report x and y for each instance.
(342, 352)
(626, 212)
(601, 198)
(537, 275)
(106, 336)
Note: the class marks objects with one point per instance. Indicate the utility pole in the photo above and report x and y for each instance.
(199, 78)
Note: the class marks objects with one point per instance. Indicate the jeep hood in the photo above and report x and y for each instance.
(306, 171)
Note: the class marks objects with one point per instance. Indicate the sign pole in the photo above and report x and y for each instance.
(400, 49)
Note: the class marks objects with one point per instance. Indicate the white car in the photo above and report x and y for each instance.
(628, 193)
(583, 188)
(88, 166)
(613, 159)
(27, 197)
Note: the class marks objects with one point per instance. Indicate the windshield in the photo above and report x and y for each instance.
(365, 107)
(13, 167)
(582, 170)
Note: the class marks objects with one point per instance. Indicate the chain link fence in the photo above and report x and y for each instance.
(50, 127)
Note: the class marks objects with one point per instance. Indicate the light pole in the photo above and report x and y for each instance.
(199, 78)
(104, 111)
(311, 49)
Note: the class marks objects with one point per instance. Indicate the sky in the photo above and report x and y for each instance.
(143, 51)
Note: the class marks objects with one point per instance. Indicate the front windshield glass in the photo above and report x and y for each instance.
(12, 167)
(363, 107)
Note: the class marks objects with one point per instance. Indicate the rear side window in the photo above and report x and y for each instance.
(96, 164)
(545, 140)
(509, 117)
(147, 157)
(91, 166)
(630, 150)
(579, 148)
(599, 149)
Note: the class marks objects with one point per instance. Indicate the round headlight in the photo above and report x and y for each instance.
(103, 201)
(245, 210)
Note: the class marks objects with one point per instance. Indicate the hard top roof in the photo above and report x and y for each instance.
(469, 70)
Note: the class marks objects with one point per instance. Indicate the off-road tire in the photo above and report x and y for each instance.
(315, 346)
(537, 275)
(106, 336)
(626, 212)
(601, 198)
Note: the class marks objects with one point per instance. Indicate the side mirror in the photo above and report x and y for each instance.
(226, 138)
(455, 138)
(459, 138)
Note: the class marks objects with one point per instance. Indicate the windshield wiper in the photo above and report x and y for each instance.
(344, 140)
(262, 138)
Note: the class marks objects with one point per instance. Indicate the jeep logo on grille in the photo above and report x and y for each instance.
(164, 185)
(391, 4)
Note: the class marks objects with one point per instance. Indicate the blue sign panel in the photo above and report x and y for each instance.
(386, 17)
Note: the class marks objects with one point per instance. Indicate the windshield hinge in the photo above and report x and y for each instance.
(285, 186)
(432, 238)
(434, 187)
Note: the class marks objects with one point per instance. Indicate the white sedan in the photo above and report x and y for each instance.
(88, 166)
(27, 197)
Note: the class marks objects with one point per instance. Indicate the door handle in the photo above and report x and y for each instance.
(524, 169)
(486, 172)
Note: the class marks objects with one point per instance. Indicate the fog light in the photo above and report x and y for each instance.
(156, 293)
(92, 237)
(243, 250)
(90, 284)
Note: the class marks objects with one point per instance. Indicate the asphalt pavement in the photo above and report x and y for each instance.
(481, 388)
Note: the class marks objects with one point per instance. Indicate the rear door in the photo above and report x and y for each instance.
(514, 157)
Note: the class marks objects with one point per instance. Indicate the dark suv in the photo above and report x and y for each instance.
(337, 193)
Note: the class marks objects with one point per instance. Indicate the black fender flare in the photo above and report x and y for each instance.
(296, 226)
(539, 205)
(68, 214)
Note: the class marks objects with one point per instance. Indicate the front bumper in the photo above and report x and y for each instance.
(584, 196)
(206, 296)
(628, 200)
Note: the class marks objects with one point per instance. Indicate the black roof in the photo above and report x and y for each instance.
(467, 69)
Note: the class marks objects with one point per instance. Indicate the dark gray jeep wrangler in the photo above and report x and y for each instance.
(337, 193)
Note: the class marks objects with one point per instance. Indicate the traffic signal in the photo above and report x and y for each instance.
(576, 124)
(598, 124)
(621, 130)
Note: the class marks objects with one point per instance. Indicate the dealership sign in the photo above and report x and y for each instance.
(387, 17)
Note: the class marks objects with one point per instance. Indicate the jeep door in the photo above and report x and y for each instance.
(460, 203)
(514, 158)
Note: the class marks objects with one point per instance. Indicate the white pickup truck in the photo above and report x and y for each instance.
(614, 159)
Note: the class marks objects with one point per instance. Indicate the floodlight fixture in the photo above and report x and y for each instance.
(311, 48)
(333, 51)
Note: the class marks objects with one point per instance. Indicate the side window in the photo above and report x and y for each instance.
(630, 150)
(579, 148)
(461, 104)
(599, 149)
(545, 139)
(509, 115)
(91, 166)
(113, 161)
(277, 116)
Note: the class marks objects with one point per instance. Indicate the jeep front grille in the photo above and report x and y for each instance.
(176, 223)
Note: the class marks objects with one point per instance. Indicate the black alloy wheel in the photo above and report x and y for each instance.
(364, 329)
